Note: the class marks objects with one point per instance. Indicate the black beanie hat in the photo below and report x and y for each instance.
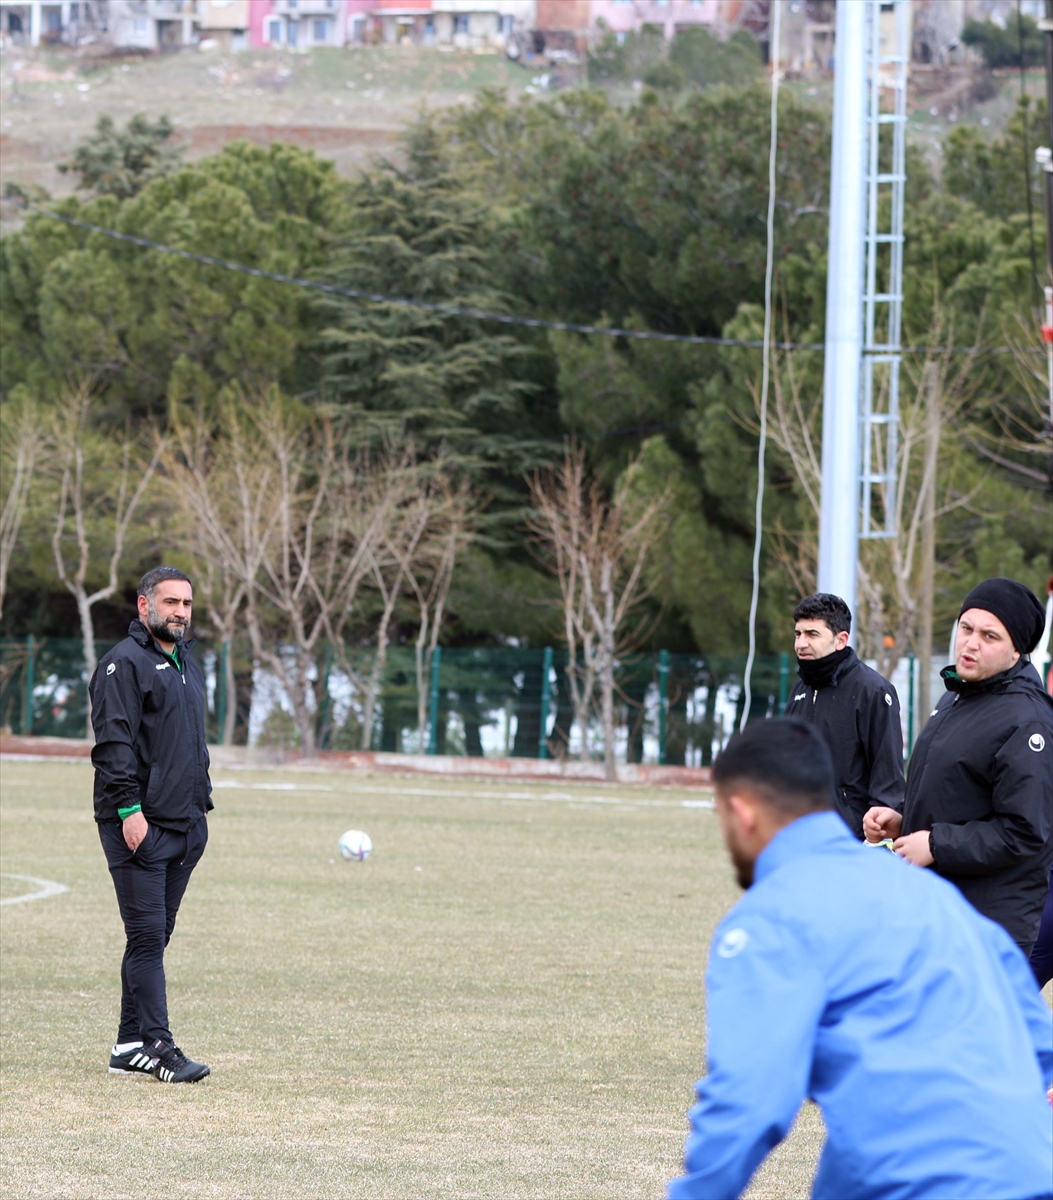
(1016, 606)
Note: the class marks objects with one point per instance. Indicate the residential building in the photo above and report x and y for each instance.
(298, 24)
(152, 24)
(581, 21)
(225, 22)
(31, 22)
(466, 24)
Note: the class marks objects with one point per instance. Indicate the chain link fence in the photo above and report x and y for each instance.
(487, 701)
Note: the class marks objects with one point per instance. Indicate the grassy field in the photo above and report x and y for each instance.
(348, 105)
(504, 1001)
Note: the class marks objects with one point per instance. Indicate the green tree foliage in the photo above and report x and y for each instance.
(421, 230)
(121, 162)
(705, 61)
(649, 216)
(1000, 44)
(995, 173)
(152, 327)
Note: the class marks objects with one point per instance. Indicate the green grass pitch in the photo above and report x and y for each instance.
(504, 1001)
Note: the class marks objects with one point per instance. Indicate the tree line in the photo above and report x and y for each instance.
(250, 430)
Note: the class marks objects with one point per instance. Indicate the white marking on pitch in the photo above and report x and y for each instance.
(48, 887)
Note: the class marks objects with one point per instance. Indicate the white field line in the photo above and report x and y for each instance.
(452, 792)
(48, 887)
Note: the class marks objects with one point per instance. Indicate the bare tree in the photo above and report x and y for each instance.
(597, 548)
(448, 513)
(100, 488)
(294, 518)
(21, 440)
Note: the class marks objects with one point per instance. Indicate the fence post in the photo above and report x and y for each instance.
(546, 671)
(784, 681)
(910, 703)
(29, 683)
(433, 731)
(221, 693)
(324, 703)
(663, 702)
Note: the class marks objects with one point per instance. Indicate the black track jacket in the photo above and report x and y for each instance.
(981, 779)
(149, 722)
(858, 716)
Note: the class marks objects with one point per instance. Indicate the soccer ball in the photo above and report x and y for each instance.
(355, 845)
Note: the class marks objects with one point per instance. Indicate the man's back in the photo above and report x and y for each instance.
(849, 976)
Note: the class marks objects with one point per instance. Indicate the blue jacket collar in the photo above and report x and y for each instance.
(806, 835)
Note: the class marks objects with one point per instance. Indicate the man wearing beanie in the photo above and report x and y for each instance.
(979, 802)
(855, 709)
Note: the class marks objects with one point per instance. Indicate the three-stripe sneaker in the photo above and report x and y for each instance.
(171, 1065)
(131, 1059)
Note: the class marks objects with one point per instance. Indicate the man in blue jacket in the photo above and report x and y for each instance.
(877, 991)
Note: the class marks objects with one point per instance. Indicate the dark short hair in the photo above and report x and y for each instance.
(824, 606)
(158, 575)
(785, 761)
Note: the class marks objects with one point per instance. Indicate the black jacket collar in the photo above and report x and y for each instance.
(138, 632)
(967, 687)
(819, 673)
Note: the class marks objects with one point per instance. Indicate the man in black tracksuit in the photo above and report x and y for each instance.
(854, 708)
(151, 794)
(979, 802)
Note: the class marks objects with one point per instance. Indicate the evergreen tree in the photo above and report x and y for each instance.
(420, 230)
(121, 162)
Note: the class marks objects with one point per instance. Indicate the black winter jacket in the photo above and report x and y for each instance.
(858, 716)
(981, 779)
(149, 722)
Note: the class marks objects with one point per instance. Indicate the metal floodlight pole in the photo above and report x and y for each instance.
(1046, 159)
(839, 504)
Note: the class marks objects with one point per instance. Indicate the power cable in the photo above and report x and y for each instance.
(454, 310)
(769, 264)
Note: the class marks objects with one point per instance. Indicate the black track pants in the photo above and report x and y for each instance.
(150, 884)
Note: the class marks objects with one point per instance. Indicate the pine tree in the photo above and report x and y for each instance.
(421, 231)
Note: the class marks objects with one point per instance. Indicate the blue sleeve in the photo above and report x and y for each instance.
(764, 997)
(1036, 1012)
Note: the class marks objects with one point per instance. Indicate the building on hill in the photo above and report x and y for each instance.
(465, 24)
(33, 22)
(298, 24)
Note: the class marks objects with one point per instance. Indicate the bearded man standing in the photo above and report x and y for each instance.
(855, 709)
(152, 791)
(979, 802)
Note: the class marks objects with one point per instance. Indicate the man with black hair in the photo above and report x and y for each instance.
(854, 708)
(979, 802)
(876, 991)
(152, 791)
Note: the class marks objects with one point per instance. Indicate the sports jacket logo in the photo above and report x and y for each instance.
(161, 667)
(733, 942)
(1036, 742)
(888, 699)
(111, 668)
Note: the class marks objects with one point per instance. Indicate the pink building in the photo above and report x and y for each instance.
(297, 23)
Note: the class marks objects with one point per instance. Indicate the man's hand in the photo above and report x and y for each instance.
(135, 829)
(915, 848)
(880, 823)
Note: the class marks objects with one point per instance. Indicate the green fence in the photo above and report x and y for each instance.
(487, 701)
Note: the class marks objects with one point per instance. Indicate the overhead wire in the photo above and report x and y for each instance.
(769, 264)
(457, 310)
